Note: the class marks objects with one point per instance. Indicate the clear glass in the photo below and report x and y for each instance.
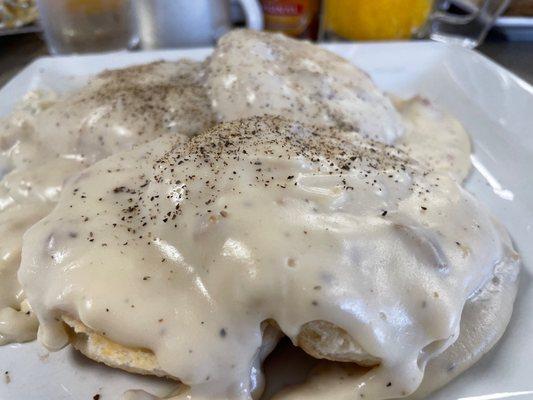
(467, 25)
(86, 26)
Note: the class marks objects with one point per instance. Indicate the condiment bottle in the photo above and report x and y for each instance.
(296, 18)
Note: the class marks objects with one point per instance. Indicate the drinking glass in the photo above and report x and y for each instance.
(82, 26)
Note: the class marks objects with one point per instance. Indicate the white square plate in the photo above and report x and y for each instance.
(496, 108)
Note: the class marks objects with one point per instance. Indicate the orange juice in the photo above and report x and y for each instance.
(376, 19)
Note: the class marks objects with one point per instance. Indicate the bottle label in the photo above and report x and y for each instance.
(297, 18)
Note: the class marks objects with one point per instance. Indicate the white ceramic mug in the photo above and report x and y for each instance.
(189, 23)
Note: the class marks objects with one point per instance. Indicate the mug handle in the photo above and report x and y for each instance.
(470, 29)
(487, 7)
(253, 14)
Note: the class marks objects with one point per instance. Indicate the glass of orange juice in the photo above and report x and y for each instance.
(402, 19)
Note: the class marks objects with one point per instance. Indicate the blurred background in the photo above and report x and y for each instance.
(502, 29)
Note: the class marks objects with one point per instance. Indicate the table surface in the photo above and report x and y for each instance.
(18, 51)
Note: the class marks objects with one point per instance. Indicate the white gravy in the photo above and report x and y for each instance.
(254, 73)
(48, 138)
(435, 138)
(186, 248)
(483, 321)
